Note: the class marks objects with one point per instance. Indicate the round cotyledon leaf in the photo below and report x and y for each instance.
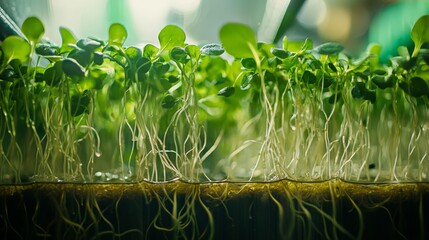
(45, 49)
(168, 101)
(212, 49)
(416, 87)
(15, 48)
(117, 34)
(53, 75)
(280, 53)
(88, 44)
(193, 51)
(329, 48)
(238, 39)
(79, 103)
(33, 29)
(150, 51)
(178, 54)
(171, 36)
(72, 68)
(134, 54)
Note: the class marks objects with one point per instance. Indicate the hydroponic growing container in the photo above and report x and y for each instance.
(181, 138)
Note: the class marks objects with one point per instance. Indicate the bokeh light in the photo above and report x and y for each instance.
(312, 14)
(337, 24)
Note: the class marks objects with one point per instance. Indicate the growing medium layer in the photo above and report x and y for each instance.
(217, 210)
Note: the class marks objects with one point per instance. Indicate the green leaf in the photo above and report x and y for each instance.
(72, 68)
(15, 47)
(408, 64)
(379, 72)
(67, 39)
(220, 80)
(133, 53)
(280, 53)
(143, 65)
(79, 103)
(83, 57)
(171, 36)
(314, 64)
(285, 42)
(226, 91)
(294, 46)
(98, 58)
(332, 67)
(193, 51)
(309, 77)
(179, 54)
(308, 45)
(265, 49)
(117, 34)
(420, 33)
(329, 48)
(116, 54)
(291, 62)
(45, 49)
(33, 29)
(150, 51)
(53, 75)
(416, 87)
(88, 44)
(359, 91)
(384, 82)
(370, 96)
(173, 79)
(300, 46)
(212, 49)
(374, 55)
(403, 52)
(238, 40)
(161, 68)
(274, 62)
(246, 81)
(168, 102)
(248, 63)
(8, 74)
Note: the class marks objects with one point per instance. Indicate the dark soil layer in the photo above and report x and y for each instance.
(178, 210)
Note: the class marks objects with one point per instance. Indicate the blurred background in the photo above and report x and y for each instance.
(354, 23)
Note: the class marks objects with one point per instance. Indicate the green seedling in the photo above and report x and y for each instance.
(174, 119)
(175, 109)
